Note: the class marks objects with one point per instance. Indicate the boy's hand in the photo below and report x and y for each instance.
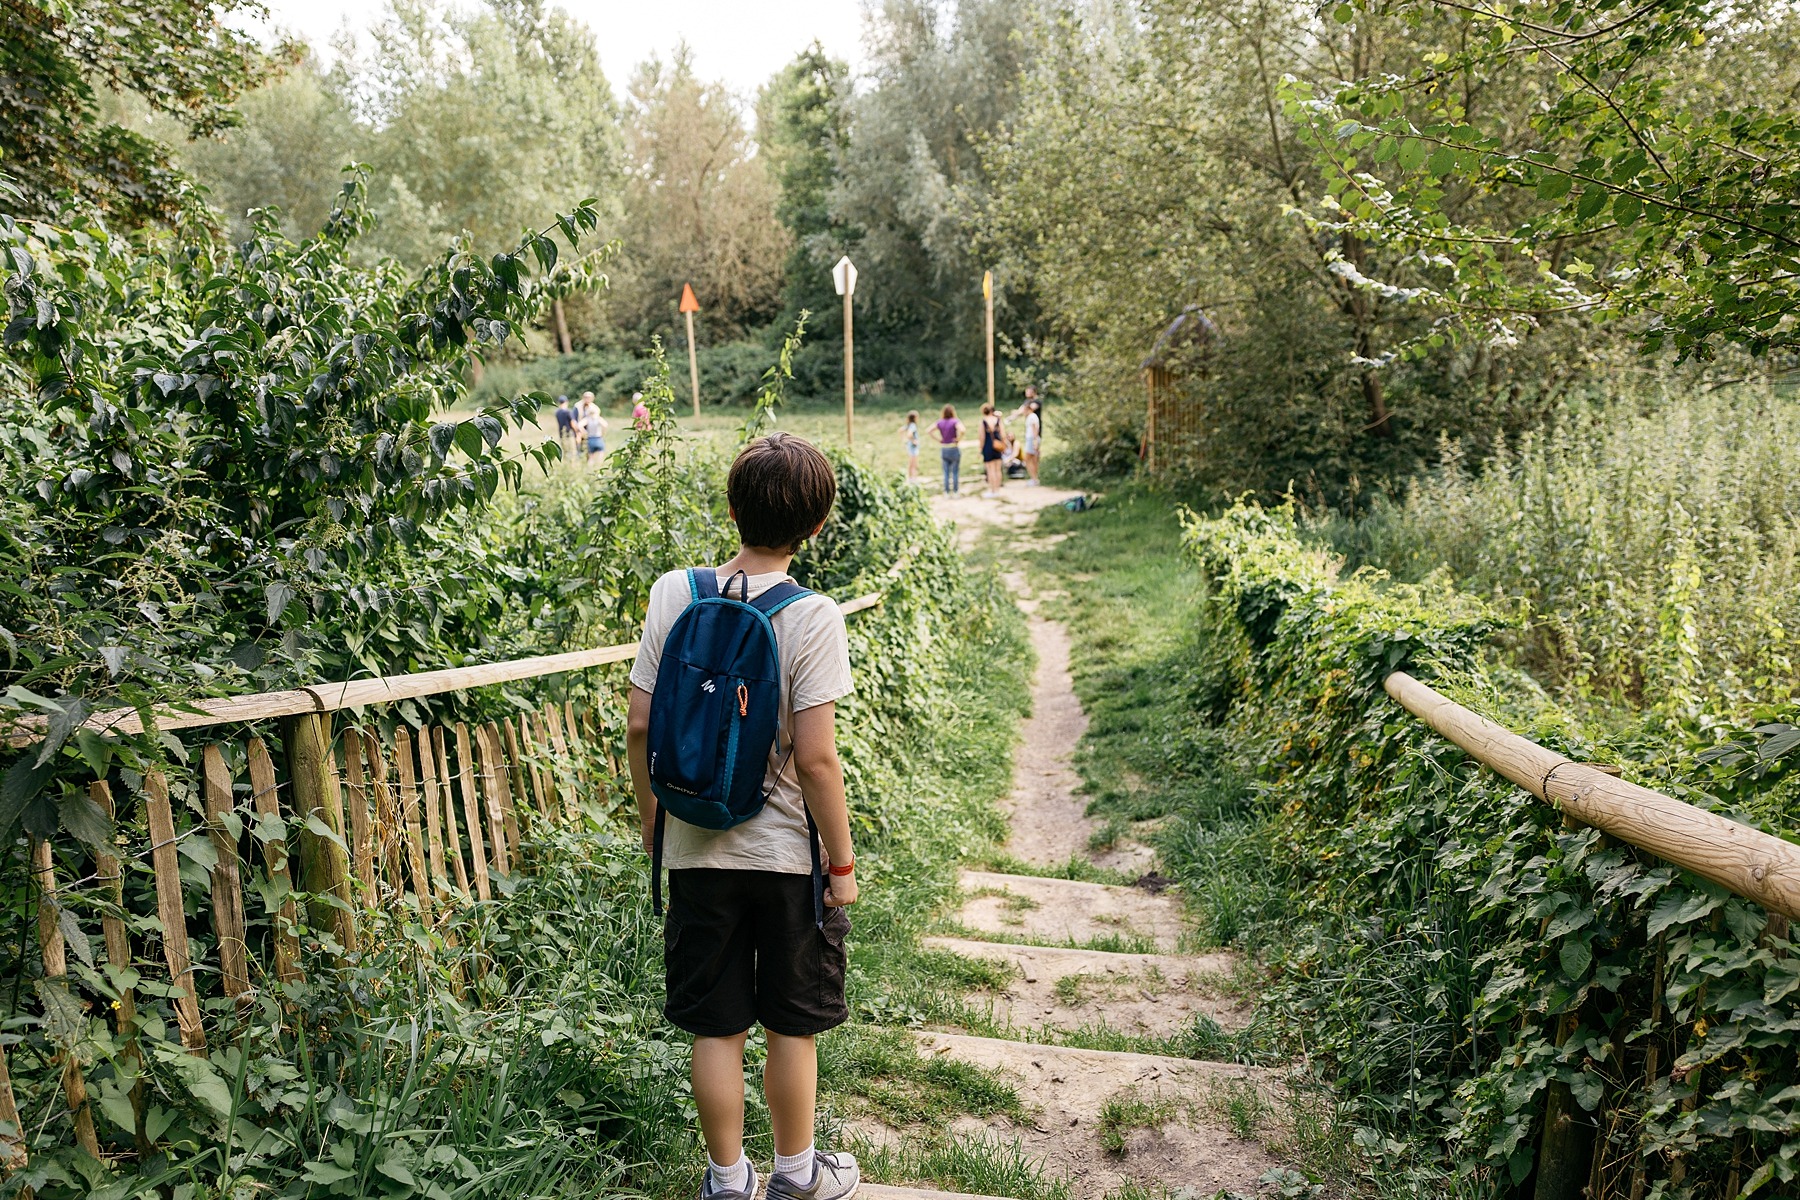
(840, 890)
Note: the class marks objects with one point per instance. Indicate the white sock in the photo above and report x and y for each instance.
(797, 1167)
(729, 1179)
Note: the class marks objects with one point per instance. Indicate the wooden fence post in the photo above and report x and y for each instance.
(275, 859)
(390, 834)
(12, 1137)
(564, 778)
(362, 858)
(324, 865)
(409, 808)
(465, 764)
(170, 911)
(109, 871)
(1565, 1153)
(56, 970)
(227, 887)
(446, 799)
(520, 796)
(499, 799)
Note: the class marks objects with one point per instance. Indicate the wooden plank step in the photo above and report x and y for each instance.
(1144, 995)
(1064, 912)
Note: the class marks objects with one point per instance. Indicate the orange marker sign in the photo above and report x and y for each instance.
(690, 306)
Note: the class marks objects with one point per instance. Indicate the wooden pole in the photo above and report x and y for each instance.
(275, 861)
(849, 371)
(1150, 420)
(108, 870)
(324, 866)
(693, 365)
(987, 294)
(12, 1136)
(227, 887)
(56, 966)
(166, 864)
(1751, 863)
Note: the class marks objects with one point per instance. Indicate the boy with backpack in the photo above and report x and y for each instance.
(732, 744)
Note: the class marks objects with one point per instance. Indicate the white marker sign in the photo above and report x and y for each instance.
(843, 276)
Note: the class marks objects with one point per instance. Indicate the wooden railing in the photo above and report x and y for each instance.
(418, 825)
(1754, 864)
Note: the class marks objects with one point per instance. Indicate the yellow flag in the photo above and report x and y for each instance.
(987, 285)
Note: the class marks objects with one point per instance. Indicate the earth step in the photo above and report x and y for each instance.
(1065, 1092)
(1064, 912)
(1145, 995)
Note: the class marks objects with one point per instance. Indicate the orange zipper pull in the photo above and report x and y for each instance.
(743, 701)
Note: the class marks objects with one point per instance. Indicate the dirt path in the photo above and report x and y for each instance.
(1094, 970)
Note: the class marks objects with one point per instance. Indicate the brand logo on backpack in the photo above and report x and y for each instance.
(709, 687)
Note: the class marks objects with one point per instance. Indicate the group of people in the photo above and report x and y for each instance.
(999, 449)
(583, 424)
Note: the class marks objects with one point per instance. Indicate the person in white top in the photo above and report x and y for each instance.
(1031, 451)
(593, 425)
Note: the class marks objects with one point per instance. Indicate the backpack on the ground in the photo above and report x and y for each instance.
(716, 711)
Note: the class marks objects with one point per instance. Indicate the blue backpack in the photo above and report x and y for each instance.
(716, 711)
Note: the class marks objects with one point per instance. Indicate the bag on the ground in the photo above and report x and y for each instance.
(716, 709)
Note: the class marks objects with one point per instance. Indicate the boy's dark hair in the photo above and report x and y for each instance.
(781, 488)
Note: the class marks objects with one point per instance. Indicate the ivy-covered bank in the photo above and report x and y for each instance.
(1442, 947)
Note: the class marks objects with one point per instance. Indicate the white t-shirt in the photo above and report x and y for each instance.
(815, 670)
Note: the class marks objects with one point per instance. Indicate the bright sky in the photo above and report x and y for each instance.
(741, 42)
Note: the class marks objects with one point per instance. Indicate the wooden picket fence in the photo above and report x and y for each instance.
(419, 821)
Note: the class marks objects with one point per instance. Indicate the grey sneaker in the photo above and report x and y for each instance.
(835, 1177)
(708, 1192)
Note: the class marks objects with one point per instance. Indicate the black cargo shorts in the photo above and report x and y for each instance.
(742, 948)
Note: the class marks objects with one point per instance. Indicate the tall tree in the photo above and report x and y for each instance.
(1657, 180)
(179, 56)
(944, 79)
(1151, 167)
(701, 208)
(802, 129)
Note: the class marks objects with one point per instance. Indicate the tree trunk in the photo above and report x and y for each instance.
(563, 344)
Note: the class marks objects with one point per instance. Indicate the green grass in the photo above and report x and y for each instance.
(879, 1072)
(984, 1164)
(1132, 1110)
(1078, 868)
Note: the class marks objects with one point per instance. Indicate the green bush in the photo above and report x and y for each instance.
(1652, 558)
(729, 374)
(1449, 950)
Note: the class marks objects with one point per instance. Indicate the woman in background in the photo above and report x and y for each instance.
(993, 451)
(950, 431)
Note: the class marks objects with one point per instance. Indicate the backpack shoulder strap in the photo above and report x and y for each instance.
(703, 583)
(779, 597)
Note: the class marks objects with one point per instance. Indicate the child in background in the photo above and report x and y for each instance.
(593, 425)
(909, 433)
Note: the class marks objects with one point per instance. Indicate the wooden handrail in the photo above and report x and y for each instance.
(1754, 864)
(356, 693)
